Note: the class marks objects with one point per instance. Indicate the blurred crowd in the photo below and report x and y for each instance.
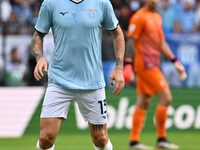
(179, 16)
(18, 17)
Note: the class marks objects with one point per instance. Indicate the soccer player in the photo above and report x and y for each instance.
(75, 69)
(146, 34)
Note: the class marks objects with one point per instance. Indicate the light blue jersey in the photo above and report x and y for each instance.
(76, 62)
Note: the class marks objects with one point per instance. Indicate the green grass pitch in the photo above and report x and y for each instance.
(70, 138)
(186, 141)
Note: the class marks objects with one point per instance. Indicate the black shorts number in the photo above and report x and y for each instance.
(103, 106)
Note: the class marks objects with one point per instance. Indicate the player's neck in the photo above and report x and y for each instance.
(151, 9)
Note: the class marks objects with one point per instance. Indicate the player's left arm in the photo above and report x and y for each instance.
(169, 55)
(117, 74)
(166, 50)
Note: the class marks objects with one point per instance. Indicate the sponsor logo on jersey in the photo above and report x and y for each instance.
(132, 28)
(162, 83)
(63, 13)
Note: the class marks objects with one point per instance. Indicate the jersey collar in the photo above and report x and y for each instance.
(77, 1)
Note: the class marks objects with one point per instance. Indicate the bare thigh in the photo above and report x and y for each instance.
(143, 101)
(164, 97)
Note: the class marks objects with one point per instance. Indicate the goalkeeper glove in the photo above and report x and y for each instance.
(128, 70)
(179, 68)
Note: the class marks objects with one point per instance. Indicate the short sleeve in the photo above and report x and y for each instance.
(44, 19)
(136, 25)
(110, 21)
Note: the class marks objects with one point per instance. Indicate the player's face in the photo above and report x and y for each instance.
(152, 4)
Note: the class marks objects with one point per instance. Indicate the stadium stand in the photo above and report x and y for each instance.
(18, 18)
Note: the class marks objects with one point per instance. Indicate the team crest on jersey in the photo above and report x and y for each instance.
(92, 12)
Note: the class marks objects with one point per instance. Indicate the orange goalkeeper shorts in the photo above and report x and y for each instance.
(150, 81)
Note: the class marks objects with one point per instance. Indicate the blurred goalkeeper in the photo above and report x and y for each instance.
(146, 34)
(75, 70)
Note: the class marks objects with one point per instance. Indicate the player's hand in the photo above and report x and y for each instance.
(117, 75)
(41, 65)
(128, 70)
(181, 70)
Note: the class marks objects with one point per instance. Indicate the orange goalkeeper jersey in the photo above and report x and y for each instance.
(146, 27)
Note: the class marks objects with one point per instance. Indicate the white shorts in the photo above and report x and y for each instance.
(91, 103)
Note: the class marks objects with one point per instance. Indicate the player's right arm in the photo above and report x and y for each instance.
(130, 47)
(135, 28)
(37, 50)
(44, 22)
(128, 61)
